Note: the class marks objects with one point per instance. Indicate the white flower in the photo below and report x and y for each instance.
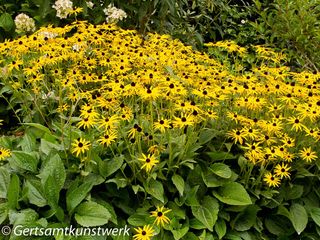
(243, 21)
(90, 4)
(63, 7)
(24, 23)
(114, 14)
(46, 34)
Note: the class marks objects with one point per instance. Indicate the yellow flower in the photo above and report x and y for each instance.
(271, 180)
(107, 138)
(282, 171)
(161, 125)
(308, 155)
(149, 161)
(160, 215)
(237, 135)
(4, 153)
(80, 146)
(144, 233)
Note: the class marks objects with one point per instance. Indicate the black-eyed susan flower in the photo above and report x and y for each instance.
(107, 138)
(160, 215)
(238, 136)
(271, 180)
(144, 233)
(307, 154)
(80, 146)
(296, 123)
(4, 153)
(161, 125)
(282, 170)
(148, 162)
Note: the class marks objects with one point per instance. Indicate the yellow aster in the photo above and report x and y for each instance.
(80, 146)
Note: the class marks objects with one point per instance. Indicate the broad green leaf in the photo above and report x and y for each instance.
(207, 135)
(35, 193)
(91, 214)
(220, 169)
(191, 198)
(179, 183)
(246, 219)
(155, 189)
(3, 212)
(279, 225)
(23, 217)
(315, 215)
(54, 167)
(179, 233)
(207, 212)
(39, 126)
(76, 194)
(13, 192)
(293, 192)
(233, 193)
(108, 167)
(221, 228)
(298, 217)
(24, 160)
(4, 182)
(138, 219)
(204, 216)
(51, 191)
(196, 224)
(215, 156)
(110, 208)
(6, 22)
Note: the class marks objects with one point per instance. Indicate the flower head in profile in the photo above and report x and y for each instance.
(160, 215)
(148, 162)
(144, 233)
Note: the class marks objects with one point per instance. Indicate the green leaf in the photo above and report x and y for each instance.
(204, 216)
(3, 212)
(246, 219)
(293, 192)
(138, 219)
(54, 167)
(233, 193)
(207, 212)
(315, 215)
(279, 225)
(91, 214)
(6, 22)
(76, 194)
(35, 193)
(13, 192)
(155, 189)
(109, 167)
(179, 183)
(23, 217)
(206, 135)
(215, 156)
(24, 160)
(4, 182)
(179, 233)
(221, 170)
(221, 228)
(298, 217)
(51, 191)
(39, 126)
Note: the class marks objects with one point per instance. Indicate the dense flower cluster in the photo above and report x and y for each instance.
(63, 8)
(114, 14)
(24, 23)
(125, 92)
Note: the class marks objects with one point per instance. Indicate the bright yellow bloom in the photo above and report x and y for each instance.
(271, 180)
(308, 155)
(80, 146)
(144, 233)
(148, 162)
(282, 171)
(4, 153)
(160, 215)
